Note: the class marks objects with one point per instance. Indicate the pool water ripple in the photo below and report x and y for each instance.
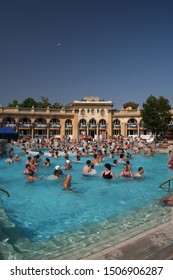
(47, 219)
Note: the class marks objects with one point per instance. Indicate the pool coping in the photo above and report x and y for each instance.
(112, 244)
(153, 244)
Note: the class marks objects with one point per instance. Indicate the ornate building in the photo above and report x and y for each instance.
(91, 116)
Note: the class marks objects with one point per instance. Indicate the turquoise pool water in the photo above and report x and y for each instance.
(42, 210)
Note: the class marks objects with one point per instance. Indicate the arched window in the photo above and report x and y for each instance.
(82, 123)
(68, 123)
(92, 123)
(116, 123)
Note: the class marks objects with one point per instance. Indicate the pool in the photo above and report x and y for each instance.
(43, 218)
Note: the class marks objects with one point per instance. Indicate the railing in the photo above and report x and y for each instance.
(69, 126)
(116, 125)
(29, 125)
(82, 126)
(17, 110)
(41, 125)
(93, 125)
(102, 126)
(55, 125)
(126, 112)
(132, 125)
(12, 125)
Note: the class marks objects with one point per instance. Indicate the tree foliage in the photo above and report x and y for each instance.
(156, 114)
(130, 104)
(14, 103)
(30, 102)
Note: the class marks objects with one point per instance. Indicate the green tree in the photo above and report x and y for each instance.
(156, 114)
(56, 105)
(67, 106)
(14, 103)
(131, 104)
(28, 103)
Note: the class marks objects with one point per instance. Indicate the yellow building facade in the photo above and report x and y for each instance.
(90, 116)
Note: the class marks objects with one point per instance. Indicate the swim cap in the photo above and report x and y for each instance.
(57, 167)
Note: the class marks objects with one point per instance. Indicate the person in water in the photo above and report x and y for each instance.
(67, 183)
(107, 173)
(10, 159)
(126, 172)
(31, 177)
(139, 173)
(87, 168)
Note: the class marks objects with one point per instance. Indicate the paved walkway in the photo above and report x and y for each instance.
(155, 244)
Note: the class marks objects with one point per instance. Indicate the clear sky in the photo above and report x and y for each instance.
(119, 50)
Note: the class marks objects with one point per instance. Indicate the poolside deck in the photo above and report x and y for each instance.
(155, 244)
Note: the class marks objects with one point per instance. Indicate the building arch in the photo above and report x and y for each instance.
(92, 123)
(82, 123)
(25, 127)
(9, 122)
(132, 127)
(25, 120)
(55, 127)
(40, 127)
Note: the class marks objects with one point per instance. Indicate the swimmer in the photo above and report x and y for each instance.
(56, 174)
(27, 170)
(139, 173)
(121, 159)
(57, 167)
(93, 171)
(47, 162)
(17, 158)
(67, 183)
(126, 172)
(31, 177)
(95, 160)
(128, 164)
(114, 163)
(107, 173)
(87, 168)
(68, 165)
(10, 159)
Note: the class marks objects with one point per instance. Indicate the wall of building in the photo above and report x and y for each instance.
(93, 117)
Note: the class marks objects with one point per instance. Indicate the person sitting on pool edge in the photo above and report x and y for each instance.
(126, 172)
(107, 173)
(168, 200)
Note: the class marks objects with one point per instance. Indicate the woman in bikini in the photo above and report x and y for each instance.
(126, 172)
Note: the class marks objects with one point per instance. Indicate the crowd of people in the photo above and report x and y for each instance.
(123, 149)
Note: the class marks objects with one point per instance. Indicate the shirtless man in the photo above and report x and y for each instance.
(139, 173)
(67, 183)
(87, 168)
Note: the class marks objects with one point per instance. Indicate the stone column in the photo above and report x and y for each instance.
(75, 125)
(62, 132)
(109, 124)
(124, 129)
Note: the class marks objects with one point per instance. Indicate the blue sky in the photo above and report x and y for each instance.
(119, 50)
